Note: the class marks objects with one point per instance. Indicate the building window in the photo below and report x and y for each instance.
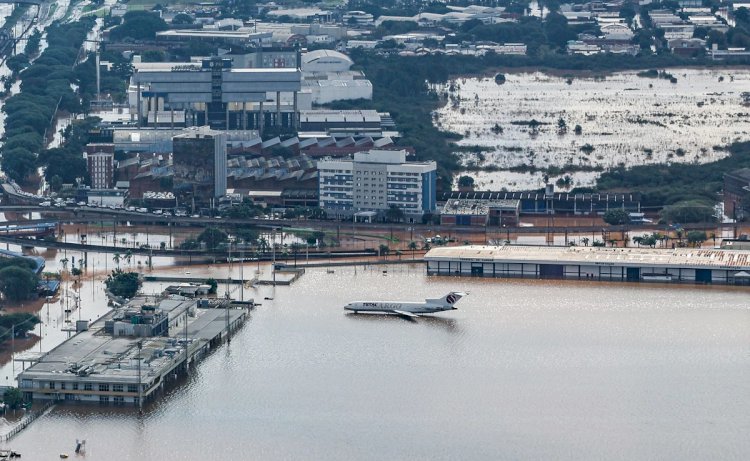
(51, 384)
(104, 400)
(119, 400)
(103, 387)
(132, 388)
(75, 386)
(87, 386)
(62, 386)
(117, 388)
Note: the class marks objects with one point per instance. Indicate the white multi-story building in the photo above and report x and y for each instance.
(375, 181)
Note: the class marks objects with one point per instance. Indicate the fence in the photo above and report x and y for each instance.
(26, 420)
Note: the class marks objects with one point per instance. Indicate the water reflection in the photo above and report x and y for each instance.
(519, 371)
(443, 323)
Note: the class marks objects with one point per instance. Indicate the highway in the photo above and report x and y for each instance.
(187, 254)
(82, 215)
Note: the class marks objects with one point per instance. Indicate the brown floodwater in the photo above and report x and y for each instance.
(524, 369)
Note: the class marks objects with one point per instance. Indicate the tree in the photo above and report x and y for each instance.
(139, 25)
(383, 250)
(578, 130)
(116, 258)
(13, 398)
(557, 30)
(648, 240)
(264, 244)
(182, 19)
(248, 236)
(55, 183)
(585, 241)
(17, 63)
(413, 248)
(123, 284)
(696, 238)
(394, 214)
(689, 211)
(17, 283)
(128, 256)
(19, 323)
(562, 127)
(18, 163)
(212, 238)
(466, 182)
(616, 217)
(295, 247)
(213, 284)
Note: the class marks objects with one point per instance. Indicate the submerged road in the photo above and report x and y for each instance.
(94, 215)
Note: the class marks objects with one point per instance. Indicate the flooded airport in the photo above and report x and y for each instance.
(524, 369)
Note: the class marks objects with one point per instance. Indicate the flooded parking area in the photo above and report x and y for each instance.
(626, 118)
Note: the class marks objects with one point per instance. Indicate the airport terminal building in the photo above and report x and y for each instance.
(680, 265)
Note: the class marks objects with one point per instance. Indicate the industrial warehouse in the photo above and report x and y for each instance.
(681, 265)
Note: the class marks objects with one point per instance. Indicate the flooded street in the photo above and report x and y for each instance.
(625, 119)
(524, 369)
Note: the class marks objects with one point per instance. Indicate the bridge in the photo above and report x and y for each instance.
(38, 229)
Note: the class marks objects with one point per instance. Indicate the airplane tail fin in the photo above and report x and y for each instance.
(450, 299)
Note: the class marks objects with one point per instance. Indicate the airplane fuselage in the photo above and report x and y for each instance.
(393, 306)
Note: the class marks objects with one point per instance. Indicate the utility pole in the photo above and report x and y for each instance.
(242, 274)
(273, 253)
(186, 342)
(13, 349)
(140, 397)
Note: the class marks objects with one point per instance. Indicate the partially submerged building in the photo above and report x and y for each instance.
(686, 265)
(130, 354)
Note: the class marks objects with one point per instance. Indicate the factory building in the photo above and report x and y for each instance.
(327, 75)
(372, 182)
(199, 160)
(216, 94)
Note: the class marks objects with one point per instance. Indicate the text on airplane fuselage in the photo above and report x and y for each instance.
(383, 305)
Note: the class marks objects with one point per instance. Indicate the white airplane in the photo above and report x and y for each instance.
(406, 308)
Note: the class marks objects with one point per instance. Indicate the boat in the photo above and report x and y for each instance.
(656, 277)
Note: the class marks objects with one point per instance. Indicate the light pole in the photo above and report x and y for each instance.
(140, 399)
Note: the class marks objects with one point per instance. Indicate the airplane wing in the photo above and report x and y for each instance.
(405, 314)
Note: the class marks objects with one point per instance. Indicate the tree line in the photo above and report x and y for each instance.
(45, 88)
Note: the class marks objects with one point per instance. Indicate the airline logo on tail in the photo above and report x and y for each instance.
(451, 298)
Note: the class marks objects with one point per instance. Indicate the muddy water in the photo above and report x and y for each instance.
(626, 119)
(523, 369)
